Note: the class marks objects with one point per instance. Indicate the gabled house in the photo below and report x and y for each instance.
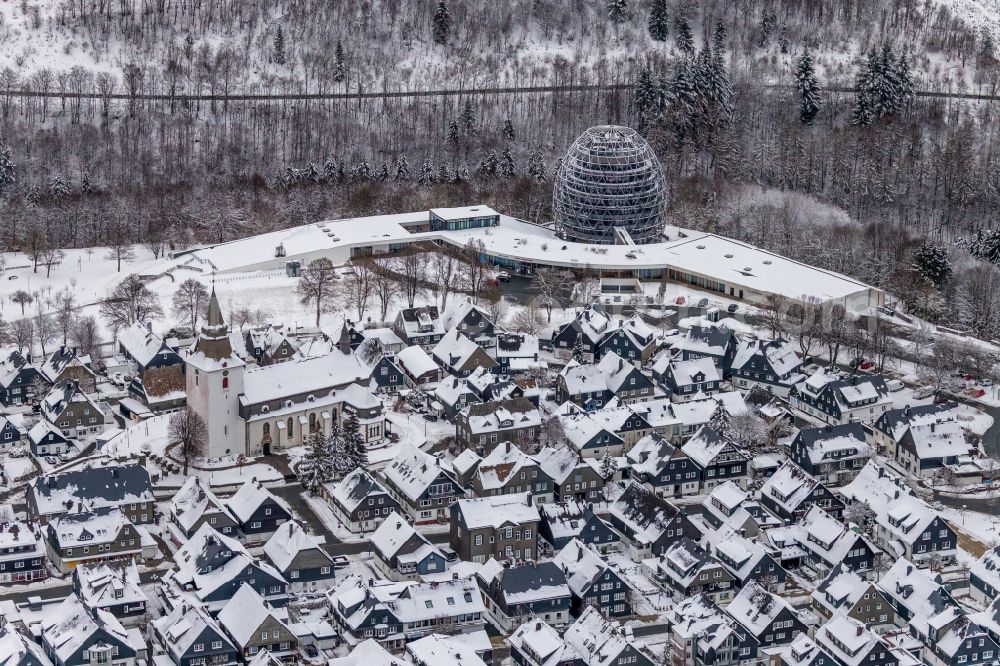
(64, 364)
(451, 396)
(953, 637)
(715, 342)
(517, 353)
(20, 381)
(850, 642)
(889, 428)
(683, 380)
(926, 448)
(910, 528)
(603, 642)
(146, 349)
(482, 427)
(44, 440)
(771, 364)
(507, 470)
(504, 526)
(421, 326)
(704, 635)
(593, 582)
(663, 468)
(770, 619)
(633, 340)
(790, 491)
(116, 589)
(730, 506)
(75, 413)
(195, 505)
(833, 399)
(211, 567)
(257, 511)
(536, 643)
(20, 650)
(529, 590)
(573, 520)
(359, 502)
(802, 651)
(834, 454)
(22, 550)
(101, 535)
(719, 459)
(984, 576)
(573, 478)
(460, 356)
(253, 626)
(161, 389)
(591, 386)
(299, 557)
(402, 553)
(268, 345)
(649, 523)
(844, 592)
(583, 335)
(418, 367)
(828, 543)
(189, 636)
(914, 593)
(75, 634)
(747, 560)
(441, 650)
(11, 433)
(587, 435)
(686, 569)
(422, 484)
(386, 375)
(470, 320)
(92, 486)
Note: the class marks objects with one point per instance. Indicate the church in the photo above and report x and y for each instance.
(262, 410)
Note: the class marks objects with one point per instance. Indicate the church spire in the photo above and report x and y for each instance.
(213, 341)
(214, 311)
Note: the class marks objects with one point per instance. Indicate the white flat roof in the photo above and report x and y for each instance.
(724, 260)
(462, 212)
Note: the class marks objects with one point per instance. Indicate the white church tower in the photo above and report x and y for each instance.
(214, 378)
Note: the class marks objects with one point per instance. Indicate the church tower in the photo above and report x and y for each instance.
(214, 379)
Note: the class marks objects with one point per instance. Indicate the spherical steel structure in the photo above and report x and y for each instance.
(610, 178)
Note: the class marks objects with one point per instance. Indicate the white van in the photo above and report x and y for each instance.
(895, 385)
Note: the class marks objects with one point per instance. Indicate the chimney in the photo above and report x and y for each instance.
(149, 326)
(909, 569)
(858, 628)
(508, 446)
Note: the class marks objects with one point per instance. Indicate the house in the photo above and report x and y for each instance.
(802, 651)
(75, 634)
(44, 439)
(189, 636)
(685, 418)
(582, 335)
(715, 342)
(253, 626)
(161, 389)
(268, 345)
(20, 381)
(663, 468)
(402, 553)
(603, 642)
(844, 592)
(834, 454)
(91, 486)
(211, 567)
(703, 635)
(828, 543)
(115, 588)
(99, 535)
(386, 374)
(421, 484)
(685, 569)
(460, 356)
(11, 433)
(359, 502)
(910, 528)
(767, 617)
(421, 326)
(926, 448)
(517, 353)
(718, 457)
(418, 368)
(145, 349)
(451, 396)
(954, 638)
(683, 380)
(367, 653)
(195, 505)
(257, 511)
(649, 523)
(984, 576)
(501, 527)
(481, 427)
(18, 649)
(771, 364)
(22, 550)
(889, 428)
(529, 590)
(914, 594)
(747, 560)
(470, 320)
(790, 491)
(587, 436)
(851, 643)
(75, 413)
(593, 582)
(573, 520)
(591, 386)
(298, 557)
(507, 470)
(633, 340)
(536, 643)
(625, 420)
(573, 478)
(730, 506)
(396, 612)
(64, 364)
(830, 398)
(441, 650)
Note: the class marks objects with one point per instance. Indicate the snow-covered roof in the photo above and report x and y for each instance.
(102, 584)
(780, 355)
(70, 624)
(915, 589)
(317, 375)
(43, 428)
(841, 589)
(501, 465)
(875, 486)
(826, 537)
(392, 534)
(352, 490)
(847, 640)
(599, 640)
(543, 642)
(465, 461)
(440, 650)
(835, 442)
(755, 607)
(244, 613)
(368, 653)
(416, 361)
(498, 510)
(802, 651)
(527, 582)
(192, 501)
(686, 373)
(699, 411)
(558, 462)
(645, 513)
(789, 486)
(412, 471)
(288, 540)
(905, 518)
(88, 527)
(409, 601)
(250, 496)
(141, 343)
(497, 415)
(184, 625)
(16, 648)
(454, 349)
(581, 565)
(705, 445)
(943, 439)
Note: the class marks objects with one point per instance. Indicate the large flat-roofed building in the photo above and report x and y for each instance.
(702, 260)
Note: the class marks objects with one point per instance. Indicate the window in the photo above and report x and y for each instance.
(199, 647)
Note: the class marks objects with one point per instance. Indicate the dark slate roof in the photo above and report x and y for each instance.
(533, 576)
(810, 436)
(892, 418)
(112, 485)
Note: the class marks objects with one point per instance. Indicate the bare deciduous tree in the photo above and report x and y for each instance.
(317, 284)
(553, 284)
(412, 269)
(385, 288)
(359, 284)
(190, 432)
(131, 301)
(190, 302)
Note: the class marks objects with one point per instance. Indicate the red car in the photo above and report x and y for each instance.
(680, 300)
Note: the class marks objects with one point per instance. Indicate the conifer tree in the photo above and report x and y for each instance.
(453, 135)
(469, 120)
(337, 451)
(508, 130)
(658, 21)
(617, 10)
(402, 170)
(578, 353)
(354, 443)
(719, 422)
(535, 168)
(507, 170)
(488, 168)
(685, 38)
(426, 173)
(382, 174)
(719, 39)
(444, 174)
(904, 82)
(8, 170)
(315, 468)
(339, 66)
(608, 466)
(279, 45)
(442, 23)
(863, 111)
(644, 98)
(808, 87)
(932, 263)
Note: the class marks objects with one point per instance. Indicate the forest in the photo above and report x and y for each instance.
(791, 124)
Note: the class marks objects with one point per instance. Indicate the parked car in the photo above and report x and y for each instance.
(510, 298)
(680, 300)
(985, 382)
(503, 276)
(703, 303)
(923, 392)
(734, 307)
(895, 385)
